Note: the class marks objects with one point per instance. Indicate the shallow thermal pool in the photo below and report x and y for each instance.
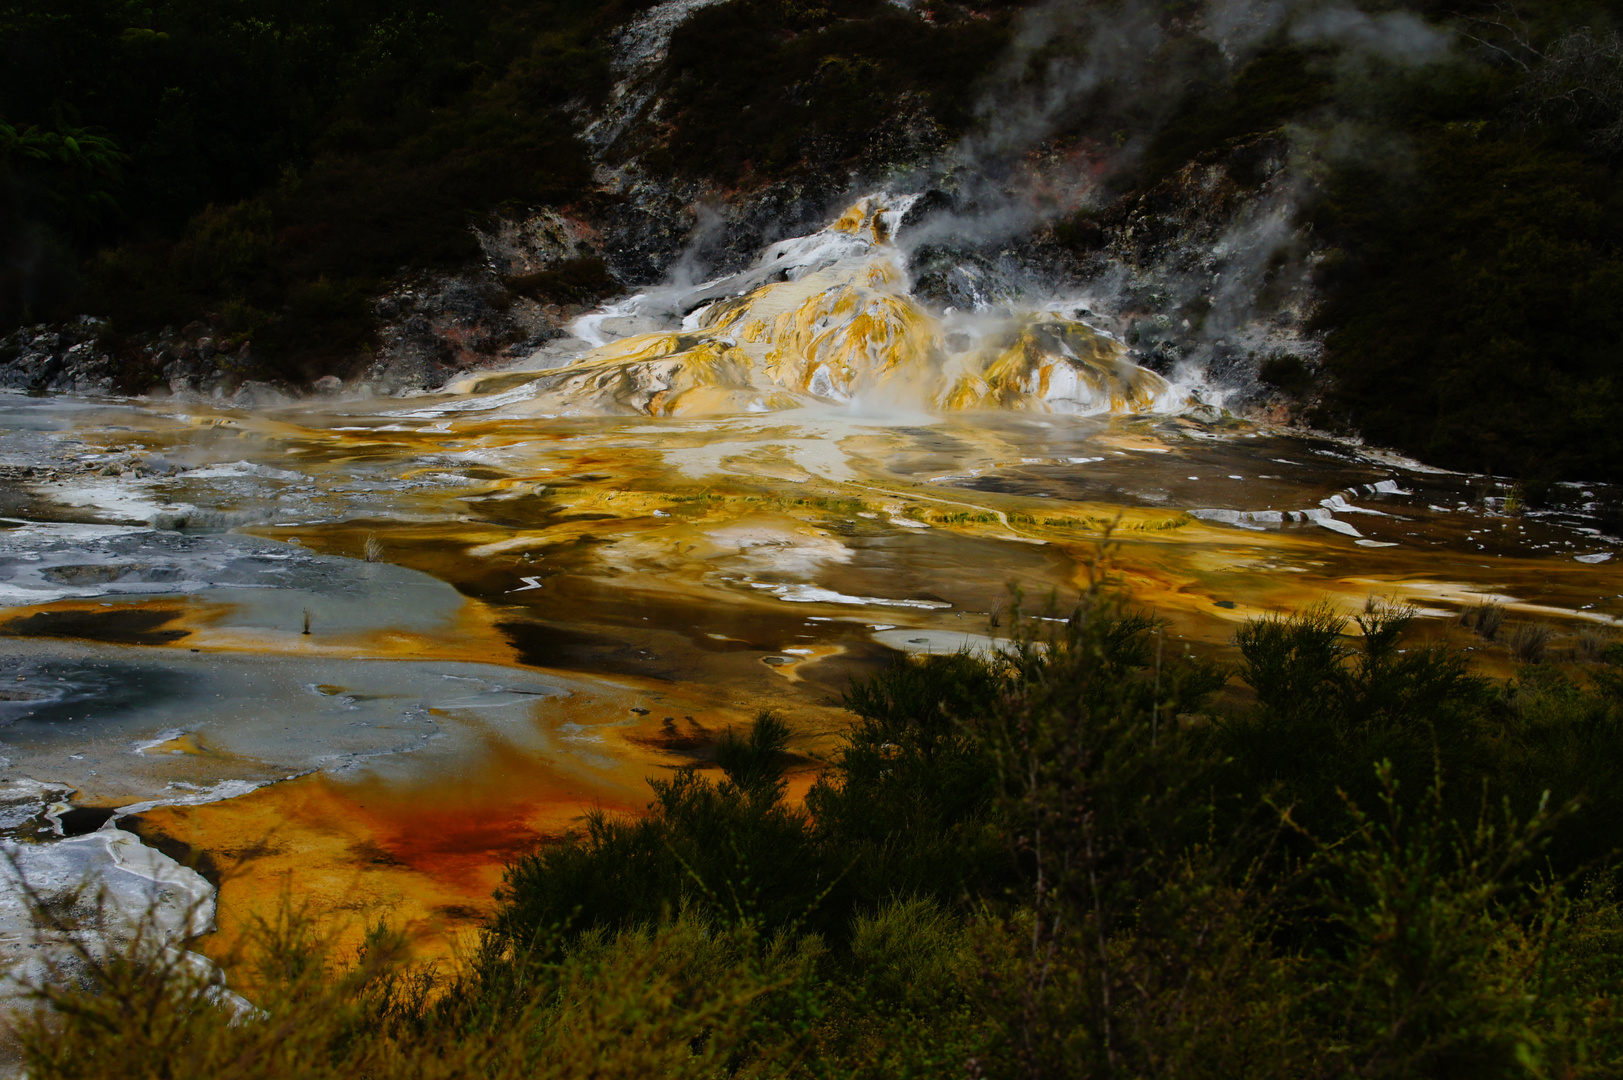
(371, 649)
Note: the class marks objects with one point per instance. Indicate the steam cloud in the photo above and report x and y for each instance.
(1397, 36)
(1067, 58)
(1072, 60)
(1065, 53)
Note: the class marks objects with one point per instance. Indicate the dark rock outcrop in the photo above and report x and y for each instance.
(57, 359)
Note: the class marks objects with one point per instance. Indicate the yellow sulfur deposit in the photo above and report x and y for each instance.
(839, 325)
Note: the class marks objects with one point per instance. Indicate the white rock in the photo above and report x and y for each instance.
(103, 889)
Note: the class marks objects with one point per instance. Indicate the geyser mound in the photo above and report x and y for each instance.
(830, 319)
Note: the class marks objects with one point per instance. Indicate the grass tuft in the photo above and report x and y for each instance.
(1530, 642)
(1485, 619)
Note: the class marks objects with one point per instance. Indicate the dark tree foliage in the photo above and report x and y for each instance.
(733, 848)
(1281, 84)
(765, 87)
(1475, 304)
(1473, 286)
(270, 162)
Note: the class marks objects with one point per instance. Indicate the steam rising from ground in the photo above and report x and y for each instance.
(829, 319)
(1071, 61)
(832, 318)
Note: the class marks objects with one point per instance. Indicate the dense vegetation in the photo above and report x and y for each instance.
(271, 162)
(765, 88)
(1476, 283)
(1083, 859)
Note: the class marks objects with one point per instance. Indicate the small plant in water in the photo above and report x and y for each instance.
(1485, 619)
(373, 548)
(1515, 500)
(306, 620)
(1590, 644)
(1529, 642)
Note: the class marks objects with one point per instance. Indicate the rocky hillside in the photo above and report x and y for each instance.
(1399, 220)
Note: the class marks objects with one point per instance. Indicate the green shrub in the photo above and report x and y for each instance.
(1327, 709)
(1153, 916)
(734, 851)
(907, 800)
(688, 999)
(224, 248)
(1438, 955)
(1289, 373)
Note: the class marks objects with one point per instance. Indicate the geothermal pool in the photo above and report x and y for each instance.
(361, 651)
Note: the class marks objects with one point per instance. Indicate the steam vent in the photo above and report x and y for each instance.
(736, 538)
(829, 319)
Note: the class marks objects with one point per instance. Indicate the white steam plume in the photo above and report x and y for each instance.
(1397, 36)
(1068, 57)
